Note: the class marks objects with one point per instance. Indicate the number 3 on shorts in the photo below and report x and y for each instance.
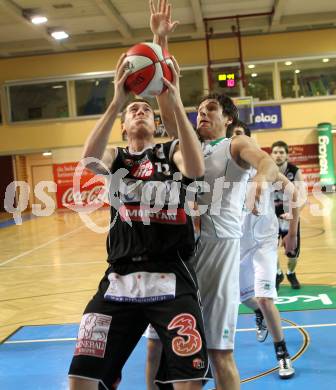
(186, 325)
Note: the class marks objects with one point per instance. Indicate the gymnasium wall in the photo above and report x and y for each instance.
(23, 138)
(260, 47)
(299, 122)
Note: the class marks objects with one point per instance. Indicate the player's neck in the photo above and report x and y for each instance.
(216, 137)
(140, 144)
(283, 167)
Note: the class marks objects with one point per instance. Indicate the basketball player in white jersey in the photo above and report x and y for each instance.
(258, 264)
(227, 163)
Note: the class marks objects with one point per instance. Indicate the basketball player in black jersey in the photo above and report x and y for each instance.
(279, 154)
(148, 279)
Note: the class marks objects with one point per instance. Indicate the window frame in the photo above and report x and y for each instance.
(71, 93)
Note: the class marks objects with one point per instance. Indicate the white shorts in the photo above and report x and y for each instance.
(217, 269)
(258, 267)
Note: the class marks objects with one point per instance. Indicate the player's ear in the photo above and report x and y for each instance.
(123, 134)
(229, 120)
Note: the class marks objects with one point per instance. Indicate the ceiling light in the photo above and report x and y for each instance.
(297, 71)
(46, 154)
(254, 74)
(251, 66)
(57, 86)
(325, 60)
(38, 19)
(59, 34)
(288, 63)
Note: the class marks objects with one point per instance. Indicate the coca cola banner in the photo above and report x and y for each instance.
(63, 177)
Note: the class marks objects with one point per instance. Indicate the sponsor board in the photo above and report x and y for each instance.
(326, 153)
(90, 193)
(306, 157)
(301, 154)
(266, 117)
(310, 297)
(311, 176)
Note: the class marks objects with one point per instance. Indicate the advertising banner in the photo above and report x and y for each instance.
(301, 154)
(63, 177)
(326, 153)
(311, 176)
(266, 117)
(307, 159)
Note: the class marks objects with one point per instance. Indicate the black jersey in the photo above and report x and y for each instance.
(290, 173)
(138, 231)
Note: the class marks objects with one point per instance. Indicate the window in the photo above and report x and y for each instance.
(93, 95)
(259, 81)
(38, 101)
(306, 78)
(226, 80)
(191, 86)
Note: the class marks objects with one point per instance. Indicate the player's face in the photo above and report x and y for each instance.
(279, 155)
(139, 117)
(211, 123)
(238, 131)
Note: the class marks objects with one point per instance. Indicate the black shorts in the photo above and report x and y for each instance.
(110, 330)
(296, 253)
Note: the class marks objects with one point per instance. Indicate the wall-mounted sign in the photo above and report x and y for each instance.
(326, 153)
(266, 117)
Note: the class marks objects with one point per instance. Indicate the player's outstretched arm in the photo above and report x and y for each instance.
(189, 156)
(161, 26)
(95, 145)
(247, 153)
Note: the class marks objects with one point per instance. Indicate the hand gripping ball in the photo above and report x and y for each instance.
(147, 63)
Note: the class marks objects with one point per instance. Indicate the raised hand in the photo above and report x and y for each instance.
(173, 87)
(160, 21)
(255, 192)
(122, 71)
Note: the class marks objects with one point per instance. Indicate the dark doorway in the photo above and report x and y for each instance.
(6, 177)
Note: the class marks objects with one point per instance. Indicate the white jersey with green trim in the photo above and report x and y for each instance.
(225, 193)
(262, 226)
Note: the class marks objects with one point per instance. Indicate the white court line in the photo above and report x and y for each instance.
(41, 246)
(292, 327)
(238, 330)
(53, 265)
(39, 341)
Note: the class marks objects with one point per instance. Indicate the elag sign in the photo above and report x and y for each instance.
(266, 117)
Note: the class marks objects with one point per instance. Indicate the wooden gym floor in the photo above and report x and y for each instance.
(51, 266)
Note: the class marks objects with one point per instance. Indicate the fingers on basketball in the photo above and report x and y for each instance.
(120, 68)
